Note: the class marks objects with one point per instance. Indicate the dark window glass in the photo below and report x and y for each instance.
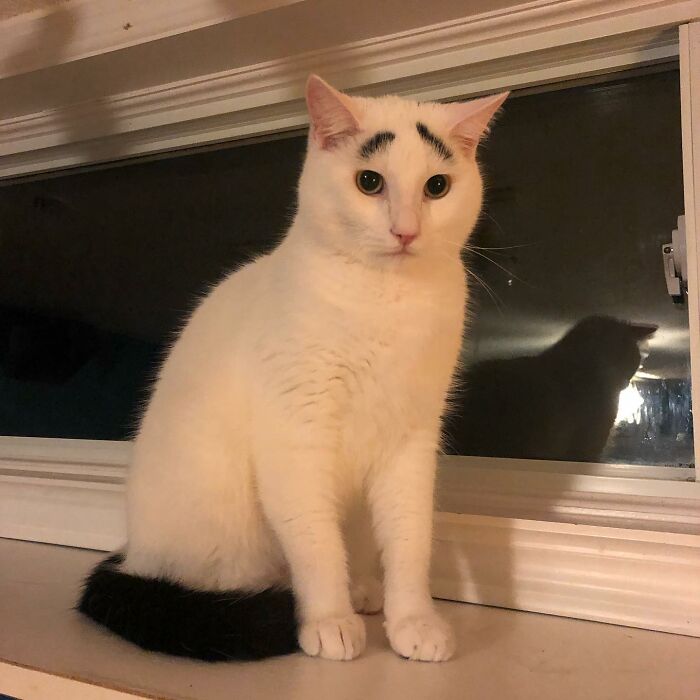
(568, 283)
(584, 185)
(98, 269)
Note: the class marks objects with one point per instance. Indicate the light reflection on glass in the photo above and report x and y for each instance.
(629, 405)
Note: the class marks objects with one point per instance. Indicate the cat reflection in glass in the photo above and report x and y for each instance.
(292, 432)
(558, 405)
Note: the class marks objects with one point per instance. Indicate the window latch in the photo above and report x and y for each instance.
(676, 263)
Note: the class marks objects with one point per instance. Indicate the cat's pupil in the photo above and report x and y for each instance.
(437, 186)
(369, 182)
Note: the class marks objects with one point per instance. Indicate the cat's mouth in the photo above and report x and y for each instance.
(399, 253)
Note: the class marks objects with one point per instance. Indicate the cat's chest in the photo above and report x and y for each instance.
(394, 387)
(394, 362)
(373, 352)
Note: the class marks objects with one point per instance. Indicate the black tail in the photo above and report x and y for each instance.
(163, 616)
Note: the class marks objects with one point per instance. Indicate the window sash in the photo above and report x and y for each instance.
(606, 51)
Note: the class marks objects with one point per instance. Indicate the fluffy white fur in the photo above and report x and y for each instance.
(304, 396)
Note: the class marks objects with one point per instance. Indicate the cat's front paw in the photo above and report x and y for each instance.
(336, 638)
(367, 595)
(425, 637)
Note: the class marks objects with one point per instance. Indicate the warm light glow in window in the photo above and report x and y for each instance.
(629, 405)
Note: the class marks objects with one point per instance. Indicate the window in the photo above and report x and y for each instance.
(100, 267)
(586, 186)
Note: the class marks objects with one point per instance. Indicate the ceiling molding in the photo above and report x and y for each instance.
(79, 29)
(532, 43)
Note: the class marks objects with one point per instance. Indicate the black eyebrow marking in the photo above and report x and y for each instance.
(435, 141)
(380, 140)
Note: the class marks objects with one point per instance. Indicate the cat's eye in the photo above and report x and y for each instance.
(437, 186)
(369, 182)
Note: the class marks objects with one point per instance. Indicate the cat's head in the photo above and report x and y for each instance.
(388, 179)
(609, 344)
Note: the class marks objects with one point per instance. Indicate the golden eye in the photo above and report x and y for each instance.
(369, 182)
(437, 186)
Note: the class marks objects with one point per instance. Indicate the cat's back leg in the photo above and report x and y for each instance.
(193, 512)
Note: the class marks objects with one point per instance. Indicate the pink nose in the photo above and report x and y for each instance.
(404, 237)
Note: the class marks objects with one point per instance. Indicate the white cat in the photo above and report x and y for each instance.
(307, 384)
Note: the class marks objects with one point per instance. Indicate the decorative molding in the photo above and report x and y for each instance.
(630, 577)
(62, 451)
(551, 466)
(68, 492)
(624, 577)
(531, 43)
(76, 509)
(611, 501)
(71, 492)
(90, 27)
(271, 94)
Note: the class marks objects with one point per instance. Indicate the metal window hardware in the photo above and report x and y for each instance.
(676, 263)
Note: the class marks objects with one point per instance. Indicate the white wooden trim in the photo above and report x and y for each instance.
(646, 504)
(90, 27)
(532, 43)
(558, 563)
(624, 577)
(689, 37)
(85, 512)
(61, 451)
(68, 492)
(617, 470)
(71, 492)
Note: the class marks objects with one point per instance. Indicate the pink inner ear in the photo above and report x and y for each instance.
(333, 114)
(470, 120)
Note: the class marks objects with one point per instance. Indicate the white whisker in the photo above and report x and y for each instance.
(497, 264)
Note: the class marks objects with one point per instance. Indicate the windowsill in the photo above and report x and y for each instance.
(502, 653)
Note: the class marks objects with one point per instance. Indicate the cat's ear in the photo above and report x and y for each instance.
(642, 331)
(469, 121)
(333, 114)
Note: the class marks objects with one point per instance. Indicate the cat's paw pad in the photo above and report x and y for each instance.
(336, 638)
(421, 637)
(367, 595)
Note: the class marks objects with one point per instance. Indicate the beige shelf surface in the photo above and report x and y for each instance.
(503, 654)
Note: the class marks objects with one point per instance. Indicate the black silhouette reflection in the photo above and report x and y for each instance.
(61, 377)
(560, 404)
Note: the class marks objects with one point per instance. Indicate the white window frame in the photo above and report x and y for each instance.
(616, 544)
